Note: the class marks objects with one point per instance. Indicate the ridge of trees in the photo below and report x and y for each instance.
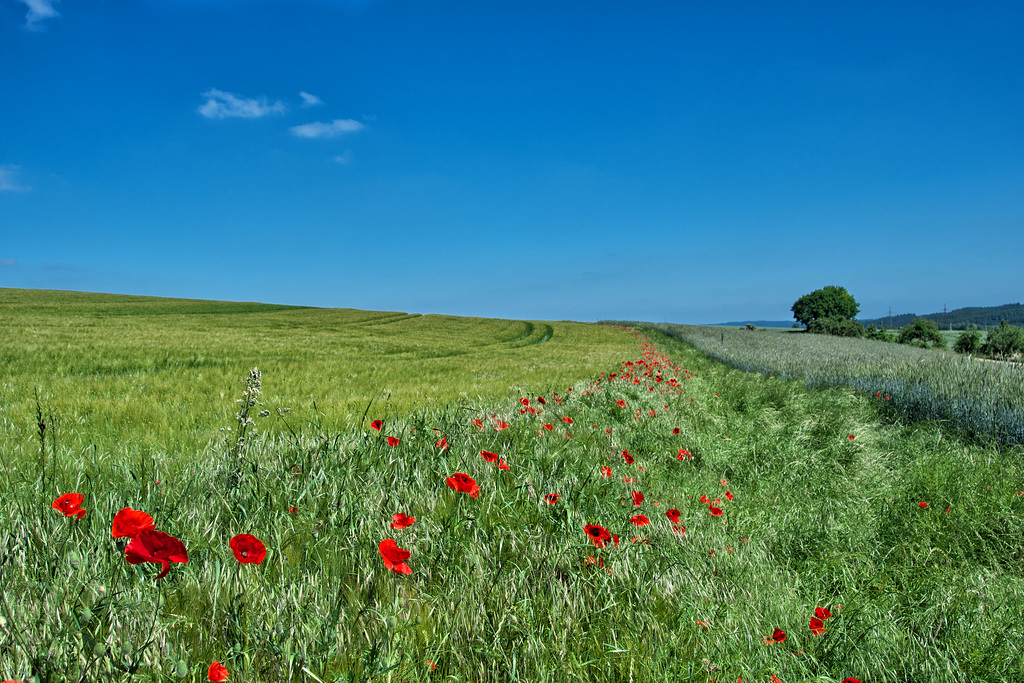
(983, 317)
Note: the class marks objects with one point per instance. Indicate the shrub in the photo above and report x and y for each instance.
(878, 334)
(922, 332)
(969, 341)
(837, 326)
(1004, 341)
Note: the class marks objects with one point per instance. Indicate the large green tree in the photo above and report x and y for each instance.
(827, 302)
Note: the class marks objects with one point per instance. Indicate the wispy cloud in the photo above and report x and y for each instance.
(310, 100)
(224, 105)
(318, 129)
(9, 179)
(7, 263)
(38, 11)
(343, 158)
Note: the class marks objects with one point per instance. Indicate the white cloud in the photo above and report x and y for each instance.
(9, 181)
(223, 105)
(343, 158)
(7, 263)
(38, 10)
(310, 100)
(318, 129)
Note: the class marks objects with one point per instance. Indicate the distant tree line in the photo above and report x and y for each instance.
(832, 310)
(982, 317)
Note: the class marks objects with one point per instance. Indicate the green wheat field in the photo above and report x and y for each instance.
(639, 509)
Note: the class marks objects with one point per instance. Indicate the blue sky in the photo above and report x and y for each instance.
(678, 161)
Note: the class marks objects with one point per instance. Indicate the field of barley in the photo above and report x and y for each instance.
(579, 503)
(140, 375)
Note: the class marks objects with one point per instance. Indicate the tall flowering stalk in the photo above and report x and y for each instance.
(245, 430)
(250, 399)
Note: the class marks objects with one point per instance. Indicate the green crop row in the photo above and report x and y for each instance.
(981, 397)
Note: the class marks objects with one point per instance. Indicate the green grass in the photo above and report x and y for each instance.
(140, 374)
(501, 586)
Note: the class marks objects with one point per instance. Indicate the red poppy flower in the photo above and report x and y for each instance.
(678, 529)
(627, 457)
(392, 441)
(621, 403)
(779, 636)
(502, 465)
(218, 673)
(525, 401)
(130, 523)
(817, 626)
(704, 499)
(922, 504)
(463, 483)
(683, 453)
(500, 425)
(598, 534)
(638, 498)
(401, 520)
(850, 680)
(715, 512)
(639, 520)
(673, 515)
(377, 424)
(606, 472)
(567, 420)
(394, 557)
(488, 456)
(822, 612)
(442, 443)
(729, 496)
(552, 498)
(248, 549)
(676, 430)
(155, 547)
(293, 510)
(549, 427)
(479, 424)
(70, 505)
(850, 437)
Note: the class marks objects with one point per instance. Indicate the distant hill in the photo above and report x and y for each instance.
(959, 318)
(758, 323)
